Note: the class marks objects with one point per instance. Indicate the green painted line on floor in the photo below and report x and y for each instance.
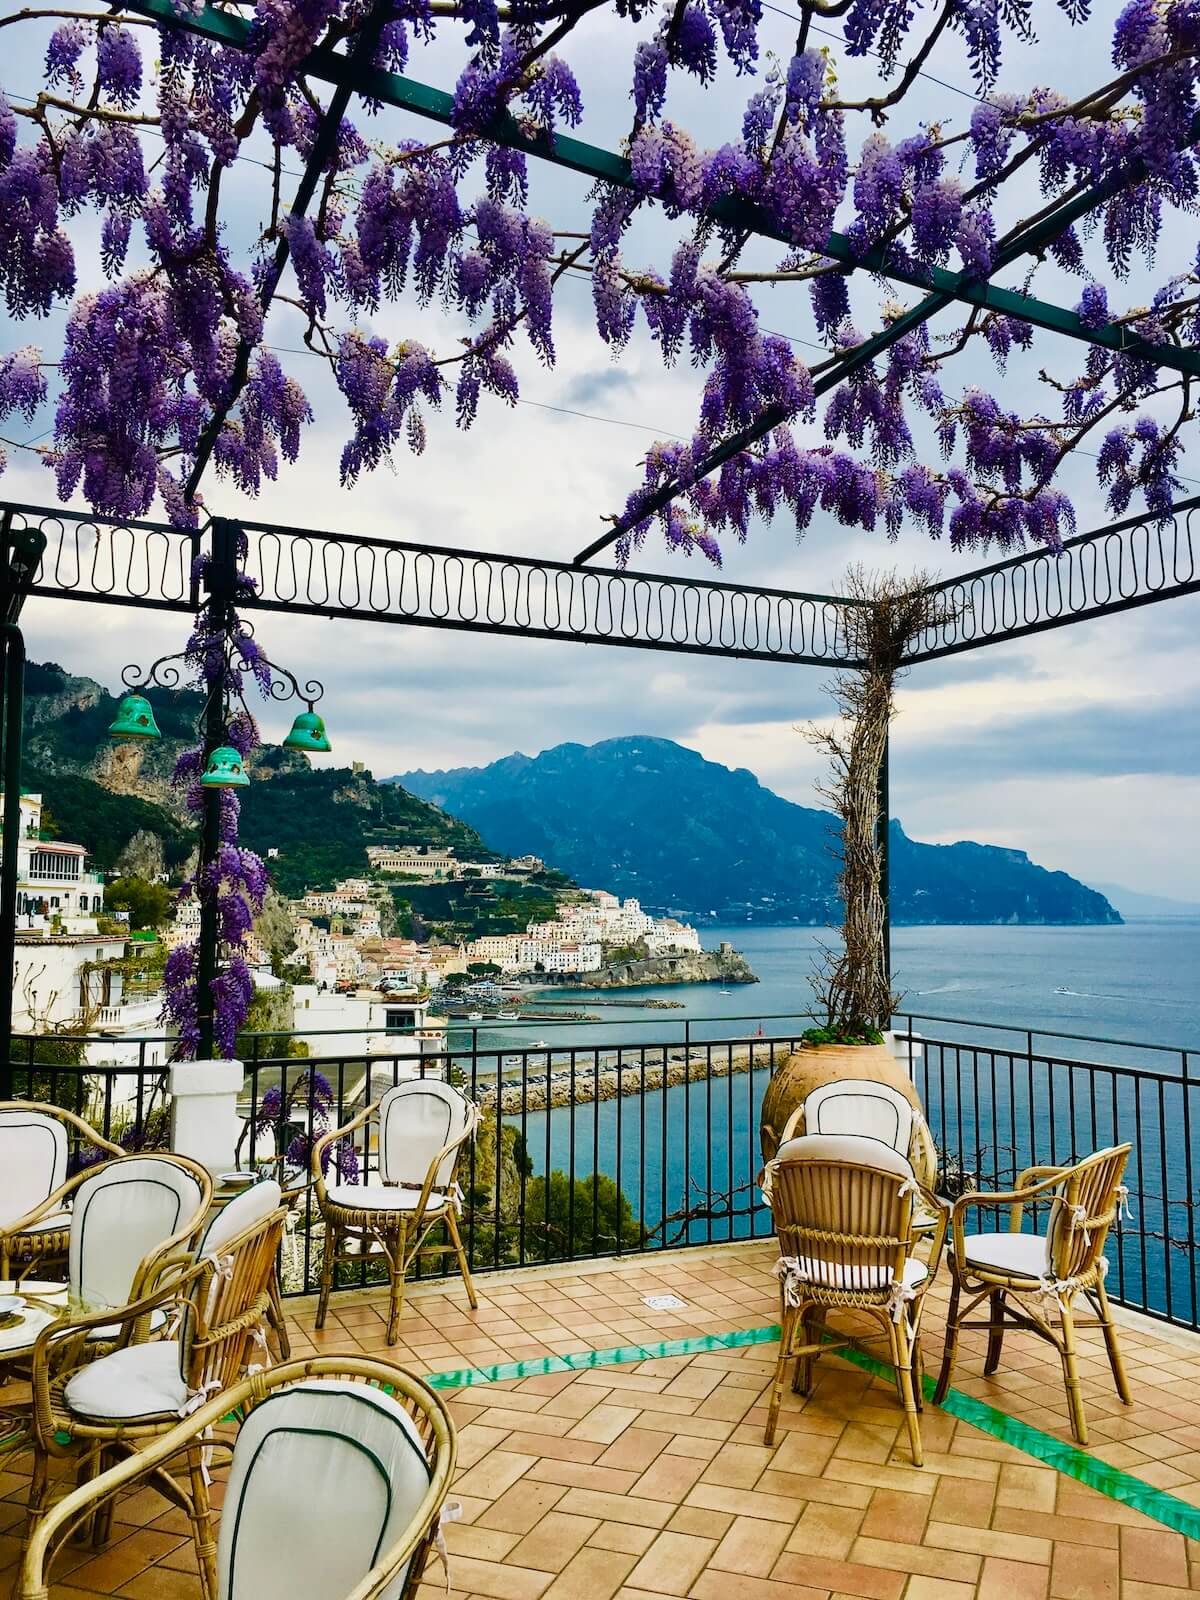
(468, 1377)
(1068, 1459)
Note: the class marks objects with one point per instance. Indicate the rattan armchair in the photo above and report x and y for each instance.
(339, 1473)
(843, 1207)
(35, 1150)
(95, 1411)
(1042, 1273)
(419, 1128)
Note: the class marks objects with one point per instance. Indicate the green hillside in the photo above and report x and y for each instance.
(320, 820)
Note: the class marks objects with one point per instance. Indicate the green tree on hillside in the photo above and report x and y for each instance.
(148, 904)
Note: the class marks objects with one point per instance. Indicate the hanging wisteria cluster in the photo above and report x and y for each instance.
(222, 654)
(166, 368)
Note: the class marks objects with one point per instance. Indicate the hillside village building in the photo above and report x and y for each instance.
(53, 880)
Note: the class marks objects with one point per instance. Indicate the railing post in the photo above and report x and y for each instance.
(222, 578)
(13, 647)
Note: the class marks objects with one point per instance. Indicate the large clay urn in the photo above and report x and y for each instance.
(811, 1068)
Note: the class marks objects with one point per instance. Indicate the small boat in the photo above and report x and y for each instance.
(724, 991)
(474, 1016)
(506, 1016)
(539, 1044)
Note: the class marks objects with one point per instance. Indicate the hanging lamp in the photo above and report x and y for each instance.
(225, 770)
(308, 733)
(134, 720)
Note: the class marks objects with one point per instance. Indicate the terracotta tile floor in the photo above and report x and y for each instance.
(649, 1478)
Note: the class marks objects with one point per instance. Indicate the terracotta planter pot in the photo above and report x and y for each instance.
(816, 1065)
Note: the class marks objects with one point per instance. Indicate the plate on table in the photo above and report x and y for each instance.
(236, 1180)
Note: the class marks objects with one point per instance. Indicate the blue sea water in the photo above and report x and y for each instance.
(999, 1087)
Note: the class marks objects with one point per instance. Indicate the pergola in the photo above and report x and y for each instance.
(75, 556)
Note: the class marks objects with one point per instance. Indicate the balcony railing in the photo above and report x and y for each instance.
(638, 1145)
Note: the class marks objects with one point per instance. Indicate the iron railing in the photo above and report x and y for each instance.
(623, 1164)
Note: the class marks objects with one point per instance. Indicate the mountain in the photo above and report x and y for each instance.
(649, 818)
(118, 799)
(1133, 903)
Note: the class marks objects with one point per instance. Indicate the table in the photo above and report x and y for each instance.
(45, 1304)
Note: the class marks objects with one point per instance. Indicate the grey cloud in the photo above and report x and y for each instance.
(1106, 740)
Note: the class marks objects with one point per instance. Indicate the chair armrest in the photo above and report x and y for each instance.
(792, 1123)
(943, 1212)
(326, 1139)
(1015, 1199)
(52, 1203)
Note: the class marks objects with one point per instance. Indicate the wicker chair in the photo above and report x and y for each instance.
(843, 1209)
(340, 1471)
(1042, 1273)
(421, 1126)
(35, 1219)
(98, 1410)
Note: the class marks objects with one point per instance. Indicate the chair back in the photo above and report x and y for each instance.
(861, 1107)
(227, 1298)
(238, 1214)
(327, 1476)
(842, 1206)
(126, 1212)
(33, 1159)
(417, 1119)
(1082, 1212)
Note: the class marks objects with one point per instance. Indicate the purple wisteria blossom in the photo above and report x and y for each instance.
(165, 352)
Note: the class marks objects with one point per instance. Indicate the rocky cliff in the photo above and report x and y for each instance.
(709, 966)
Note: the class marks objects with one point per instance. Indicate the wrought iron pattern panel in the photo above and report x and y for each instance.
(118, 563)
(1117, 568)
(428, 586)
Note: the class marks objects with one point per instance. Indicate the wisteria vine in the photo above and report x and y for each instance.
(168, 363)
(222, 654)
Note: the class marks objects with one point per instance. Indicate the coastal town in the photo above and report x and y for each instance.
(327, 966)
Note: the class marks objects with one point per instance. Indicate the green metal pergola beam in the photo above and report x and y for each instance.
(390, 88)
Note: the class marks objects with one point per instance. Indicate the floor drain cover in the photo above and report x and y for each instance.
(663, 1302)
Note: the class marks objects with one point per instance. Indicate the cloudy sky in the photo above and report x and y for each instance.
(1081, 747)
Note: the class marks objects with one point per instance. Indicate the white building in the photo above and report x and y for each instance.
(53, 881)
(416, 861)
(365, 1023)
(669, 938)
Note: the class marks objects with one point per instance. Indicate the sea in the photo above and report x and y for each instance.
(1006, 1014)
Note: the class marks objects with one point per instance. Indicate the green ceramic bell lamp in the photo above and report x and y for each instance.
(134, 720)
(225, 770)
(308, 733)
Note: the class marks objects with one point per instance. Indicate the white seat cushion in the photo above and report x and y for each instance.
(137, 1383)
(1021, 1255)
(382, 1197)
(110, 1330)
(849, 1147)
(835, 1275)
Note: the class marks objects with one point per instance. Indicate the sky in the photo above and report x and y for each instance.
(1081, 746)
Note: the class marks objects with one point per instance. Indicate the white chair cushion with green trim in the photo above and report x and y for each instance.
(839, 1275)
(121, 1215)
(862, 1107)
(378, 1197)
(242, 1212)
(850, 1147)
(418, 1118)
(1019, 1255)
(135, 1384)
(33, 1161)
(326, 1478)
